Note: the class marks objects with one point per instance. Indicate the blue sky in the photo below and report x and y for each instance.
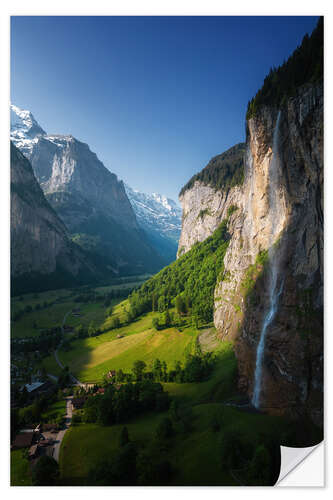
(154, 97)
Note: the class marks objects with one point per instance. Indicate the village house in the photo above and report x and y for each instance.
(23, 440)
(111, 374)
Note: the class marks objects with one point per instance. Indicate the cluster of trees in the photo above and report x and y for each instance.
(145, 464)
(44, 343)
(256, 463)
(255, 460)
(45, 472)
(223, 171)
(305, 65)
(196, 368)
(32, 414)
(28, 309)
(119, 405)
(89, 295)
(188, 283)
(82, 332)
(133, 465)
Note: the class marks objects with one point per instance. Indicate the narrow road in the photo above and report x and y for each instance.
(74, 379)
(60, 435)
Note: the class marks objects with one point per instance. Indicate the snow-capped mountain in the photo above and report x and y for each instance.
(160, 217)
(24, 129)
(89, 199)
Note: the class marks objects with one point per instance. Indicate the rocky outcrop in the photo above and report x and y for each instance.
(209, 195)
(204, 208)
(292, 371)
(293, 357)
(42, 256)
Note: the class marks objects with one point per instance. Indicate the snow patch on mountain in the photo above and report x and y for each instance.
(156, 212)
(24, 129)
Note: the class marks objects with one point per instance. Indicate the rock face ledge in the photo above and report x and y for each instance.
(40, 247)
(293, 360)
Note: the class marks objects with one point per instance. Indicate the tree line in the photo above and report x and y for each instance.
(305, 65)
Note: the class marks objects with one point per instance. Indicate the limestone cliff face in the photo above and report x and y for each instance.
(39, 243)
(92, 203)
(207, 197)
(62, 164)
(204, 208)
(279, 205)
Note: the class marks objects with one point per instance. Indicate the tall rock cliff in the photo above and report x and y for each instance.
(279, 207)
(42, 256)
(269, 300)
(88, 198)
(292, 366)
(208, 196)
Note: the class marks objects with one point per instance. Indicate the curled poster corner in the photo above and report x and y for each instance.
(292, 458)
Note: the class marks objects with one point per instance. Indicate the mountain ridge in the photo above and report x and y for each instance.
(87, 196)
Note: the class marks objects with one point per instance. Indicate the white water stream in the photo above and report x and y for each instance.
(275, 284)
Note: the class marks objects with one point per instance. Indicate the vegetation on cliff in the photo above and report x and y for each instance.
(305, 65)
(188, 283)
(223, 172)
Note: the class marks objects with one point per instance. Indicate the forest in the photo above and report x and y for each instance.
(305, 65)
(187, 284)
(223, 172)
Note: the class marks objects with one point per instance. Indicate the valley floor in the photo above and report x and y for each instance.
(194, 451)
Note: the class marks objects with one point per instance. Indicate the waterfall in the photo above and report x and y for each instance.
(275, 287)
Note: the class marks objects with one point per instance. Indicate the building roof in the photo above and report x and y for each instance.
(32, 387)
(23, 440)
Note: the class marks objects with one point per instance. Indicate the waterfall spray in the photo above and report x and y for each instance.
(275, 288)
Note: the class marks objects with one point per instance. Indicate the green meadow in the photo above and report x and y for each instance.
(19, 469)
(194, 455)
(91, 358)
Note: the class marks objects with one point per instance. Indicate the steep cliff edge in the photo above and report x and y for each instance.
(209, 195)
(269, 300)
(292, 367)
(42, 256)
(293, 358)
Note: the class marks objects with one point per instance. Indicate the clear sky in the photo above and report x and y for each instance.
(154, 97)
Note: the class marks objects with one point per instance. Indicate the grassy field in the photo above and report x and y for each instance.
(19, 469)
(91, 358)
(219, 387)
(31, 323)
(194, 456)
(85, 445)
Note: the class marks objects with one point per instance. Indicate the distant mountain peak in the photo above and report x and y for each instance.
(159, 216)
(24, 129)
